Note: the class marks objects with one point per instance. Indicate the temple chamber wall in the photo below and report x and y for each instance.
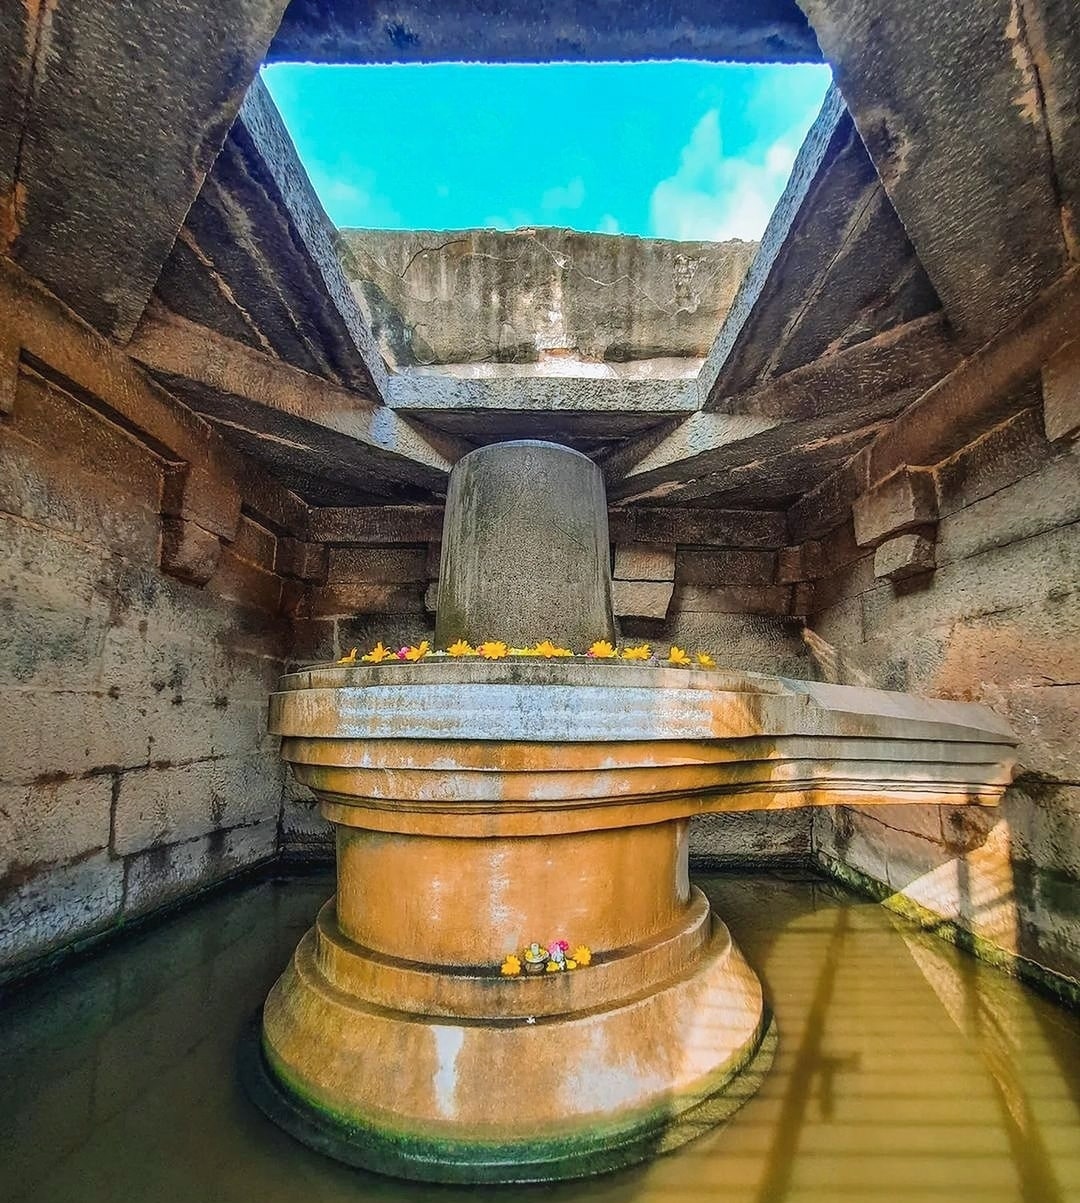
(997, 621)
(136, 648)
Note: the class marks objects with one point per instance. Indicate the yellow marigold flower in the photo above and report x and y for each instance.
(350, 658)
(602, 650)
(548, 650)
(511, 967)
(641, 652)
(677, 656)
(494, 649)
(553, 967)
(582, 954)
(418, 652)
(378, 654)
(705, 660)
(461, 648)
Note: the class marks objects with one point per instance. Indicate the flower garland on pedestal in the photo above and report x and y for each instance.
(495, 649)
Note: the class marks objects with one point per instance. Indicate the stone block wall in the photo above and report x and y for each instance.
(134, 762)
(994, 619)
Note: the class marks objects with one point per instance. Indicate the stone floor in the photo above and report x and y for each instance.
(905, 1070)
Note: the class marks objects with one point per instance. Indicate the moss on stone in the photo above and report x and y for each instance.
(1062, 989)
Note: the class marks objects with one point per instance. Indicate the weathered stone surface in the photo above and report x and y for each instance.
(705, 527)
(974, 184)
(767, 464)
(200, 484)
(906, 499)
(161, 875)
(57, 905)
(110, 667)
(91, 116)
(1010, 451)
(644, 562)
(525, 549)
(987, 388)
(734, 599)
(188, 551)
(588, 413)
(997, 621)
(456, 297)
(835, 267)
(9, 372)
(302, 560)
(238, 580)
(641, 599)
(53, 821)
(1008, 578)
(304, 832)
(906, 555)
(376, 524)
(347, 600)
(387, 32)
(378, 565)
(748, 840)
(914, 355)
(239, 386)
(1035, 503)
(725, 566)
(158, 806)
(1061, 393)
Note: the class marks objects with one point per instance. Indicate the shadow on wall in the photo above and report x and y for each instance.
(1001, 882)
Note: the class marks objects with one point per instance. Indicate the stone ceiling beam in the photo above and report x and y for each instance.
(775, 435)
(257, 259)
(589, 413)
(764, 529)
(276, 403)
(834, 268)
(983, 390)
(112, 115)
(827, 137)
(390, 31)
(414, 391)
(968, 112)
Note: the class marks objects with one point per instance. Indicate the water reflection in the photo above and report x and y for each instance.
(905, 1070)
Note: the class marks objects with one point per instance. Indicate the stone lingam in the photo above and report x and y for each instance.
(484, 806)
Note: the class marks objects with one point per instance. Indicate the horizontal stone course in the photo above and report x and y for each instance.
(158, 806)
(59, 904)
(725, 566)
(377, 565)
(998, 622)
(160, 875)
(644, 562)
(52, 821)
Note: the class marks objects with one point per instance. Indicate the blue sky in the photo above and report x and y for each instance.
(668, 150)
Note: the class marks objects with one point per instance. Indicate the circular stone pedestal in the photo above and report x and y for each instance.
(392, 1040)
(509, 1098)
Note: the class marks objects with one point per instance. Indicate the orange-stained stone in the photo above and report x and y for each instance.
(483, 805)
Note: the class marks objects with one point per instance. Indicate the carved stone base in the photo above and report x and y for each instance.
(503, 1095)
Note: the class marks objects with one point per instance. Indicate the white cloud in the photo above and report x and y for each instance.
(711, 197)
(355, 202)
(608, 224)
(572, 196)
